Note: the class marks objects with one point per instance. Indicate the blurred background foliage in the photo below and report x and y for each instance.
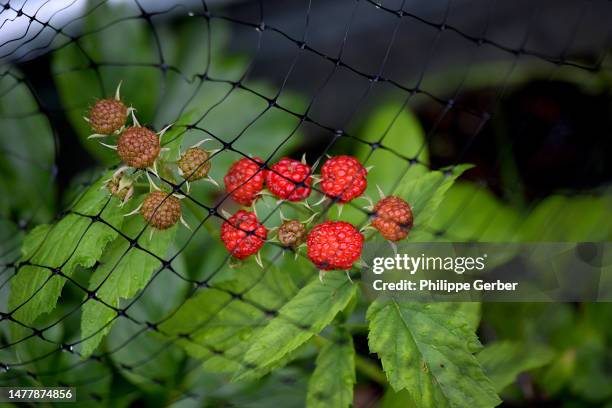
(542, 173)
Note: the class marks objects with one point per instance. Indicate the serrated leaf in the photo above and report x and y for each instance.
(425, 193)
(471, 313)
(268, 288)
(504, 360)
(331, 384)
(427, 350)
(74, 241)
(473, 212)
(215, 320)
(309, 312)
(123, 272)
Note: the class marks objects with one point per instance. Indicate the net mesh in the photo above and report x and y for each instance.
(320, 49)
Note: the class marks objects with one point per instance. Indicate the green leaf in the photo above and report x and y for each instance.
(558, 374)
(591, 378)
(123, 272)
(471, 313)
(221, 326)
(332, 381)
(26, 155)
(79, 86)
(173, 138)
(402, 135)
(427, 350)
(74, 241)
(472, 212)
(130, 344)
(554, 219)
(399, 399)
(425, 193)
(309, 312)
(258, 133)
(214, 321)
(504, 360)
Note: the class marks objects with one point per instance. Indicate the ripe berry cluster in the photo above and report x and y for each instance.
(343, 178)
(330, 245)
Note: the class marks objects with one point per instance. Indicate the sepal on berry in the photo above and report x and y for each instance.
(120, 186)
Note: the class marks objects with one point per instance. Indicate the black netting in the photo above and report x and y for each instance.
(303, 75)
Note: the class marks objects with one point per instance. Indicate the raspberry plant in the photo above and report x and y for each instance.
(268, 313)
(257, 343)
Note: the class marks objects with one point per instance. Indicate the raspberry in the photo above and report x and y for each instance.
(392, 218)
(161, 210)
(194, 164)
(334, 245)
(120, 187)
(138, 147)
(292, 233)
(344, 178)
(243, 235)
(107, 116)
(244, 180)
(289, 179)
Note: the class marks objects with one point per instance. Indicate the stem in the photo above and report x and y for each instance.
(370, 370)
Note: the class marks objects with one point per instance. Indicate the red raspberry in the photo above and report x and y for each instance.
(161, 210)
(292, 233)
(392, 218)
(334, 245)
(243, 235)
(283, 179)
(138, 147)
(344, 178)
(107, 116)
(244, 180)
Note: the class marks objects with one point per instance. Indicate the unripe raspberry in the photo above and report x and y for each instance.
(392, 217)
(292, 233)
(343, 178)
(138, 147)
(243, 235)
(161, 210)
(334, 245)
(245, 180)
(289, 179)
(120, 187)
(194, 164)
(107, 116)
